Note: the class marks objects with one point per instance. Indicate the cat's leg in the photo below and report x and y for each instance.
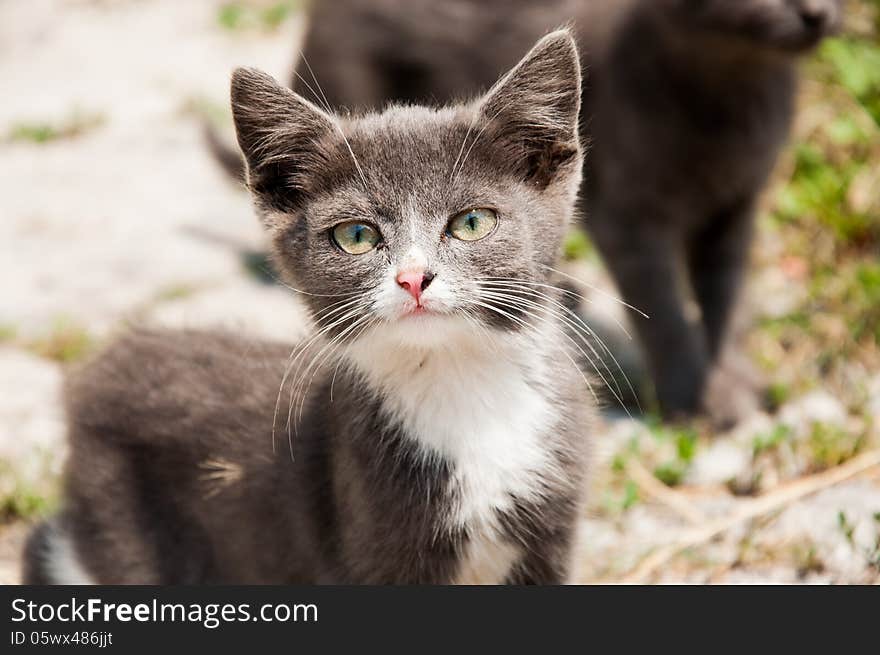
(97, 538)
(717, 258)
(548, 560)
(643, 255)
(129, 476)
(103, 518)
(717, 261)
(546, 537)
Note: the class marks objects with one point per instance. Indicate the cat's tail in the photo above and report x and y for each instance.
(229, 159)
(50, 557)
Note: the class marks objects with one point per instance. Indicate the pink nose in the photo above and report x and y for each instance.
(414, 282)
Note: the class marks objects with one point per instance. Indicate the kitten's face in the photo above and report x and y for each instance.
(412, 241)
(403, 225)
(786, 25)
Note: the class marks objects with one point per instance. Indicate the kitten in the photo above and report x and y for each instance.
(686, 107)
(436, 418)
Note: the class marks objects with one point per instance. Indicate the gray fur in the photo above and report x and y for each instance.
(173, 477)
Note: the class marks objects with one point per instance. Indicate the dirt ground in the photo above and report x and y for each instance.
(113, 213)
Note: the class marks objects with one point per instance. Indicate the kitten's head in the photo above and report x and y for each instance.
(783, 25)
(398, 221)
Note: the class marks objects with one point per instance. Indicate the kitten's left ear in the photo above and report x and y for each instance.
(533, 110)
(281, 135)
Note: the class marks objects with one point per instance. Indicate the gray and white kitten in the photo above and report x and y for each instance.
(686, 106)
(437, 426)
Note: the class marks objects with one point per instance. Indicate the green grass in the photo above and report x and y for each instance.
(175, 292)
(22, 500)
(830, 445)
(809, 449)
(215, 113)
(806, 559)
(846, 527)
(621, 498)
(33, 131)
(820, 191)
(871, 553)
(231, 16)
(777, 394)
(863, 295)
(855, 65)
(578, 246)
(767, 442)
(826, 214)
(235, 16)
(24, 504)
(7, 332)
(66, 342)
(74, 125)
(672, 470)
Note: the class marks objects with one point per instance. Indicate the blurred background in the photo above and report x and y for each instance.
(112, 212)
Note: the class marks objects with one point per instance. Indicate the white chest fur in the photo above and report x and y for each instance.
(486, 412)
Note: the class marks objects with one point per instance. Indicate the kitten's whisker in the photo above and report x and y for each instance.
(577, 325)
(366, 327)
(335, 308)
(582, 331)
(487, 123)
(326, 104)
(601, 292)
(524, 305)
(589, 331)
(319, 360)
(347, 315)
(476, 323)
(335, 120)
(315, 95)
(330, 348)
(278, 397)
(567, 292)
(294, 354)
(467, 134)
(527, 326)
(282, 283)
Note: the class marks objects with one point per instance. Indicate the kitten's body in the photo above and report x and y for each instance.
(173, 477)
(686, 105)
(440, 442)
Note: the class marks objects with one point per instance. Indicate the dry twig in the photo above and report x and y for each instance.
(770, 502)
(663, 494)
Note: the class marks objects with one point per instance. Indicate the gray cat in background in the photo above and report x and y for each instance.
(686, 105)
(435, 421)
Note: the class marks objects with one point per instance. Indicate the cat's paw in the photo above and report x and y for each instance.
(733, 392)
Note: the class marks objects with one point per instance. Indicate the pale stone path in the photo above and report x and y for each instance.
(110, 227)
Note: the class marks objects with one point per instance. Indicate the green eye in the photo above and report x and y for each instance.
(356, 238)
(473, 224)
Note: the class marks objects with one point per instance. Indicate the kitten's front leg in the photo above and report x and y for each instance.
(547, 561)
(642, 251)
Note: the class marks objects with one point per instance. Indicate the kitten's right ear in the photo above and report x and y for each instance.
(532, 112)
(280, 134)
